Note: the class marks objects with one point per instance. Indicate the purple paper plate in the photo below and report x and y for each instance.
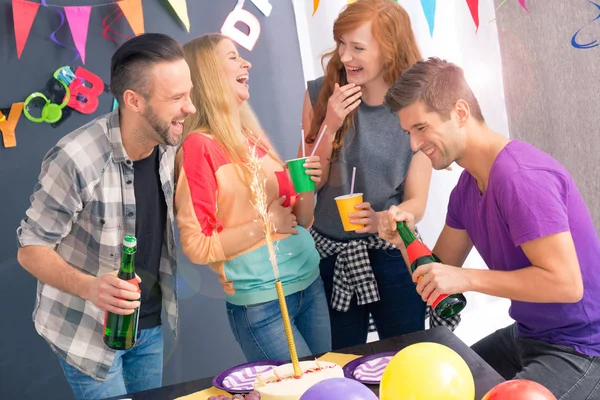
(240, 379)
(368, 369)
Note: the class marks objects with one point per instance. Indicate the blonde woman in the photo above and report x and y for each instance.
(219, 225)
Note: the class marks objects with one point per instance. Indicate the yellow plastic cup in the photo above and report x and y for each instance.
(346, 205)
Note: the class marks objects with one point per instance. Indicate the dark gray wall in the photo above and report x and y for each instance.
(552, 89)
(205, 346)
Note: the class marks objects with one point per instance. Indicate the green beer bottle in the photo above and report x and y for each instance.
(120, 331)
(445, 305)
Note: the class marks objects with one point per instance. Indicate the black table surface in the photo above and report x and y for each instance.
(485, 376)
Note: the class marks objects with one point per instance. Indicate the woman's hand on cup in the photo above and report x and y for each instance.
(365, 216)
(314, 168)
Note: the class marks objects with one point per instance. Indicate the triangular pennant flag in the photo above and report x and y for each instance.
(115, 104)
(24, 13)
(474, 8)
(522, 2)
(79, 20)
(132, 9)
(429, 10)
(315, 6)
(180, 8)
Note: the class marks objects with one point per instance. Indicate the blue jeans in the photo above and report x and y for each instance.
(133, 370)
(400, 310)
(569, 375)
(258, 328)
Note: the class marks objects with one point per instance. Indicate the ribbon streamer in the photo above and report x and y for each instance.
(53, 34)
(589, 45)
(107, 26)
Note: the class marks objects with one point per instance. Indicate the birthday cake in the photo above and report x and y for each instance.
(279, 383)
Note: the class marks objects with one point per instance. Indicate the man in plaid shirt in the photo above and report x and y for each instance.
(110, 178)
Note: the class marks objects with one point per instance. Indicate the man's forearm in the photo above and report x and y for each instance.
(415, 207)
(49, 267)
(530, 284)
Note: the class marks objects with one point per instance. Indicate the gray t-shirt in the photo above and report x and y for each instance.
(380, 151)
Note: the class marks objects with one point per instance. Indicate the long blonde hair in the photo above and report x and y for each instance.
(217, 112)
(391, 29)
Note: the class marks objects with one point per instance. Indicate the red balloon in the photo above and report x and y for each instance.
(519, 389)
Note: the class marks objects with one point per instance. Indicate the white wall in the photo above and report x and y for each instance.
(455, 39)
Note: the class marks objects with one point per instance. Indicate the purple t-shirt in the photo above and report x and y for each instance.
(531, 195)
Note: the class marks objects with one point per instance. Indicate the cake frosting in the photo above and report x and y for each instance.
(280, 383)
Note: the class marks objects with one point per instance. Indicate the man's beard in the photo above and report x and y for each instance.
(161, 128)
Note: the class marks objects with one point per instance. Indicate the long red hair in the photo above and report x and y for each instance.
(393, 32)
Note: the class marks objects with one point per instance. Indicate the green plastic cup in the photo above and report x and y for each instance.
(300, 179)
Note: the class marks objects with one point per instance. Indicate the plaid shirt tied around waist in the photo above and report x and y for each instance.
(353, 274)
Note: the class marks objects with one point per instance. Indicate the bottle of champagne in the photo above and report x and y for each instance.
(445, 305)
(120, 331)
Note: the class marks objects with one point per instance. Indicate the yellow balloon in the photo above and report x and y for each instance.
(427, 371)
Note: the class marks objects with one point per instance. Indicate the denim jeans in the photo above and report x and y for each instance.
(258, 328)
(569, 375)
(400, 310)
(133, 370)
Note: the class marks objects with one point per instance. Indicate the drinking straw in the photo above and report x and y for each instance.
(318, 140)
(353, 178)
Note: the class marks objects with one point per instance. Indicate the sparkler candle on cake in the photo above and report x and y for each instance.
(288, 381)
(260, 204)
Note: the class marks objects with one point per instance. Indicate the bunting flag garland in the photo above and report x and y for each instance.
(79, 19)
(429, 7)
(132, 9)
(429, 10)
(24, 13)
(180, 8)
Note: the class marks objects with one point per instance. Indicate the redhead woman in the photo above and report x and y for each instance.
(365, 276)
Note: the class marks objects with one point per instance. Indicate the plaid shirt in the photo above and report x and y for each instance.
(82, 207)
(353, 274)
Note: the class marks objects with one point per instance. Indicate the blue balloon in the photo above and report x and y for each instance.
(343, 388)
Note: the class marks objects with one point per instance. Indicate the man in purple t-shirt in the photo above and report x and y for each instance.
(522, 211)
